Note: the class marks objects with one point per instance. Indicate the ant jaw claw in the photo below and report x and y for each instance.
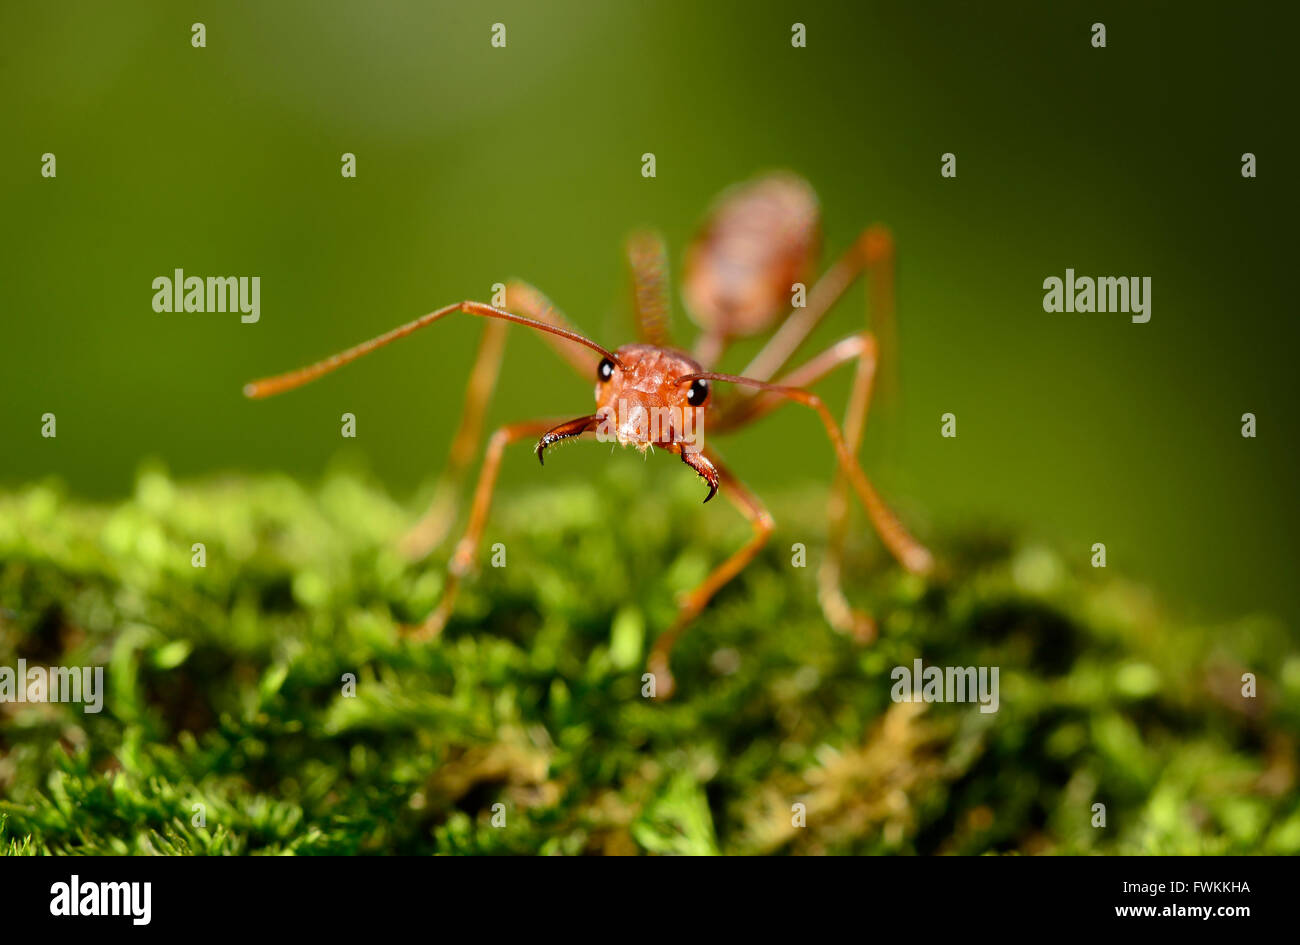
(706, 470)
(570, 428)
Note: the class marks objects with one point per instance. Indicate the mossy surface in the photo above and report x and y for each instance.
(224, 688)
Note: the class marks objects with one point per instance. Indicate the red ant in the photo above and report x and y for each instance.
(758, 241)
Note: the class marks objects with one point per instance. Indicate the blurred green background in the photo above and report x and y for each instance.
(476, 164)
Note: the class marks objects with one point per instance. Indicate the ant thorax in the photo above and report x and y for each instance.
(642, 402)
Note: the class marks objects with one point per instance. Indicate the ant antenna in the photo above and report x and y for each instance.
(268, 386)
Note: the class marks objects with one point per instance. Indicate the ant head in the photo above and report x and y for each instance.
(641, 402)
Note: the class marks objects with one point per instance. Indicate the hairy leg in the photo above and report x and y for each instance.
(647, 259)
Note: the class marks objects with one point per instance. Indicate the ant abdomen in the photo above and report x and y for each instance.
(760, 238)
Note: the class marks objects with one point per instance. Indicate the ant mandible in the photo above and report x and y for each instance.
(760, 239)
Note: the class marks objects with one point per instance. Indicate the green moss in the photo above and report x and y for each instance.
(225, 689)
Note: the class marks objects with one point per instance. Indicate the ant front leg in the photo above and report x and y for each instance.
(523, 299)
(715, 475)
(462, 559)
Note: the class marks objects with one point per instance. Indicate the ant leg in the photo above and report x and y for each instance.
(433, 526)
(910, 553)
(438, 520)
(647, 258)
(876, 249)
(737, 414)
(830, 588)
(862, 347)
(873, 251)
(462, 559)
(714, 473)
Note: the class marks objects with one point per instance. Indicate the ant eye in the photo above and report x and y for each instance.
(698, 393)
(606, 369)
